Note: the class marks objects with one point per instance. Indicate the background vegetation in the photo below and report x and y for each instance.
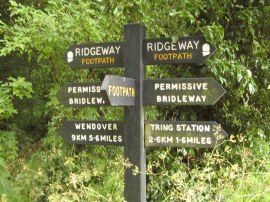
(37, 166)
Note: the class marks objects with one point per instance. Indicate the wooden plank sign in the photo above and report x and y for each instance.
(120, 90)
(90, 55)
(82, 95)
(198, 134)
(182, 91)
(187, 50)
(92, 132)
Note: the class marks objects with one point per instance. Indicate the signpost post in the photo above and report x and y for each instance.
(135, 185)
(133, 92)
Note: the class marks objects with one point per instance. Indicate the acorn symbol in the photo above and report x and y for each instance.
(206, 49)
(69, 56)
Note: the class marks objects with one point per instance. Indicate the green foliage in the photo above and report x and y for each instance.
(8, 152)
(11, 89)
(8, 147)
(67, 173)
(211, 176)
(33, 38)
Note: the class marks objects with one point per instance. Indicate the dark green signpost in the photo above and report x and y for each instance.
(134, 151)
(134, 92)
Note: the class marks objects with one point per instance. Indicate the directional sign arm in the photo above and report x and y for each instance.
(119, 90)
(187, 50)
(91, 55)
(182, 91)
(82, 95)
(197, 134)
(92, 132)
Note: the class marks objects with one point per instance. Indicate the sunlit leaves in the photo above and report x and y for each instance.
(42, 31)
(9, 91)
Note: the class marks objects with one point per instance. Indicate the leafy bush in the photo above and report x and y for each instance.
(36, 35)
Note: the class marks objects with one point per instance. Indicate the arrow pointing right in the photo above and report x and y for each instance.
(182, 91)
(187, 50)
(200, 134)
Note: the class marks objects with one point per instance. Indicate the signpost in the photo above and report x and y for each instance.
(82, 95)
(120, 90)
(134, 152)
(187, 50)
(200, 134)
(95, 55)
(133, 92)
(182, 91)
(92, 132)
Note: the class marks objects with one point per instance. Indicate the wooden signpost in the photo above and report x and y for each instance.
(133, 92)
(134, 151)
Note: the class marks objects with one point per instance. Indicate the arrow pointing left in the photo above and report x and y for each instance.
(82, 95)
(92, 132)
(120, 90)
(91, 55)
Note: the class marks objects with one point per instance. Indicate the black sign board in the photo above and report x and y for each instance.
(92, 132)
(82, 95)
(199, 134)
(192, 49)
(120, 90)
(95, 55)
(182, 91)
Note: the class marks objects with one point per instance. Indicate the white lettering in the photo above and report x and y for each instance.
(181, 86)
(181, 98)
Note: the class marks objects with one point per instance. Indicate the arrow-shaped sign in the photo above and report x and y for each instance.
(201, 134)
(120, 90)
(182, 91)
(95, 55)
(192, 49)
(92, 132)
(82, 95)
